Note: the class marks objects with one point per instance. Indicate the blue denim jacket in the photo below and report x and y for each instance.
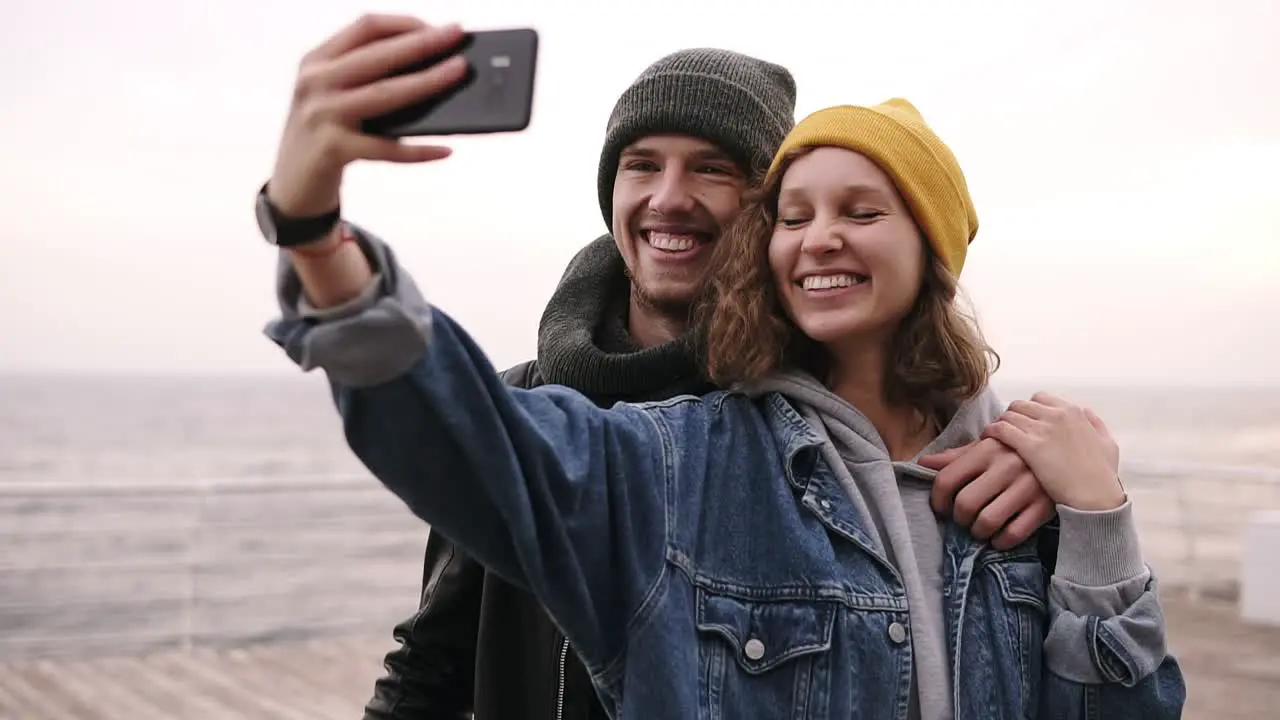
(698, 552)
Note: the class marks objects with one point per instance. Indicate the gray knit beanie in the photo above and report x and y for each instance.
(743, 105)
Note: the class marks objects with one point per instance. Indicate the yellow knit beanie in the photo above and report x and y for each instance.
(894, 136)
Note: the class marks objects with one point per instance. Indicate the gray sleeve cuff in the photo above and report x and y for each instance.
(1098, 548)
(368, 340)
(1100, 570)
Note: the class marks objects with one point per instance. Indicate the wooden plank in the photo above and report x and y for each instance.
(313, 677)
(350, 665)
(1220, 657)
(58, 698)
(209, 676)
(255, 670)
(18, 697)
(152, 678)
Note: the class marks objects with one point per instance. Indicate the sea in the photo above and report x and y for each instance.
(143, 513)
(139, 429)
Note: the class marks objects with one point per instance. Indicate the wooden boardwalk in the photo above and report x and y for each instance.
(1233, 673)
(312, 680)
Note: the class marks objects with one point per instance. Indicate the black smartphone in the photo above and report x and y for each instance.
(496, 96)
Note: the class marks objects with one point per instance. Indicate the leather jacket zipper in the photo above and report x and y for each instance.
(564, 659)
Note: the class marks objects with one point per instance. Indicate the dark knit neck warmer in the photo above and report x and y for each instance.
(583, 340)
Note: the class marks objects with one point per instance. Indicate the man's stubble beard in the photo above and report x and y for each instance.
(679, 311)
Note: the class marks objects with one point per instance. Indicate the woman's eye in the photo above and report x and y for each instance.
(866, 214)
(790, 222)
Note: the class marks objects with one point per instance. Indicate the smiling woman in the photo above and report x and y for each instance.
(830, 252)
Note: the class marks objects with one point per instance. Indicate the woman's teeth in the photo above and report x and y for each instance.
(828, 282)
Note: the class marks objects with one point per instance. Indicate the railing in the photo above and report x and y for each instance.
(123, 567)
(1191, 519)
(108, 567)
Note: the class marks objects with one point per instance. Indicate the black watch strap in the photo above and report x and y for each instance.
(285, 231)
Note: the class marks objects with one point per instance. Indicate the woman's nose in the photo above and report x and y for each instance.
(821, 237)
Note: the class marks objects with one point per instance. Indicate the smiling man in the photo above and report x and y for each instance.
(672, 197)
(684, 141)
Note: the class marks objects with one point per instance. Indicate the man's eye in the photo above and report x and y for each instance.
(641, 166)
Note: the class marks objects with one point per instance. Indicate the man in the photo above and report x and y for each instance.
(684, 141)
(679, 151)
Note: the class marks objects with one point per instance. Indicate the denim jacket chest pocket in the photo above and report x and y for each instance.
(763, 658)
(1004, 633)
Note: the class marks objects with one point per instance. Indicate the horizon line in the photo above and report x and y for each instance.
(1118, 382)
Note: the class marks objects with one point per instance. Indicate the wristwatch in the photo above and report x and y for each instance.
(285, 231)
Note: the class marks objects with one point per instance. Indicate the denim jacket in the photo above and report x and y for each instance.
(698, 552)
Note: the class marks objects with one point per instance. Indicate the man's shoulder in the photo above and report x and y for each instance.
(523, 375)
(713, 406)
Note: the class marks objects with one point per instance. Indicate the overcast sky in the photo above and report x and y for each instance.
(1123, 157)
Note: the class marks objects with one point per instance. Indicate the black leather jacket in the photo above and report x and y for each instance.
(480, 644)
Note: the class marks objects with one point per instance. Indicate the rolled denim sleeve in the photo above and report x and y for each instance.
(541, 486)
(1102, 588)
(368, 340)
(1105, 653)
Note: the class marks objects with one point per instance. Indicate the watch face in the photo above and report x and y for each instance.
(266, 224)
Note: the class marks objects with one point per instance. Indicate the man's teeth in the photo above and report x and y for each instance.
(672, 242)
(827, 282)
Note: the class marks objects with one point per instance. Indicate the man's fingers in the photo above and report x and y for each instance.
(397, 92)
(939, 460)
(363, 31)
(407, 153)
(1016, 496)
(372, 62)
(974, 498)
(1018, 530)
(960, 471)
(368, 147)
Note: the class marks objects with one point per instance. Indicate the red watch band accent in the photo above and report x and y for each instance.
(329, 250)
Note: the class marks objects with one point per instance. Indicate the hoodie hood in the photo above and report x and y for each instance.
(804, 390)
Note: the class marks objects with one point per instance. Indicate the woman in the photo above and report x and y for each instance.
(769, 552)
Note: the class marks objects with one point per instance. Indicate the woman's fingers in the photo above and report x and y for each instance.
(1006, 432)
(1030, 408)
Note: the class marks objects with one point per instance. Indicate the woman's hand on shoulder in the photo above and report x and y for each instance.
(1068, 448)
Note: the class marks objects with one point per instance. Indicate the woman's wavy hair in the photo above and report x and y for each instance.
(938, 358)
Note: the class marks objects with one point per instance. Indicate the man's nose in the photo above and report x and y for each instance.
(672, 196)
